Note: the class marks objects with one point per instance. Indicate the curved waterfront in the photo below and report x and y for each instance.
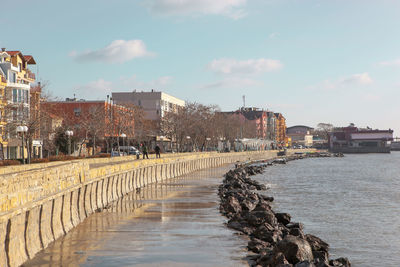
(174, 223)
(353, 203)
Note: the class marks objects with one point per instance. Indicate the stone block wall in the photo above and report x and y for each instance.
(39, 204)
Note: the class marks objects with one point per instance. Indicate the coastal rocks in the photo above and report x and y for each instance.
(295, 249)
(273, 237)
(283, 218)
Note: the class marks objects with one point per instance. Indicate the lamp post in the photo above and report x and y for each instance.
(188, 139)
(123, 141)
(22, 129)
(69, 133)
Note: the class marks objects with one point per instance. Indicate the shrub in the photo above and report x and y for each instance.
(43, 160)
(9, 162)
(101, 155)
(62, 158)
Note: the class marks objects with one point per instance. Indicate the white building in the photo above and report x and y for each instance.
(154, 104)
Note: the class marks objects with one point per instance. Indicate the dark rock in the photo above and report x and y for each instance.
(305, 264)
(342, 262)
(256, 245)
(277, 259)
(267, 233)
(316, 243)
(267, 198)
(321, 258)
(295, 249)
(232, 205)
(283, 218)
(295, 225)
(262, 205)
(296, 232)
(248, 205)
(256, 218)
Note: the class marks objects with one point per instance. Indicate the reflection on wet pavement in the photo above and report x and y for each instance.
(174, 223)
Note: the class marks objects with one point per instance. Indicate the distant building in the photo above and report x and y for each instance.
(271, 126)
(154, 104)
(281, 138)
(254, 115)
(300, 135)
(354, 140)
(259, 117)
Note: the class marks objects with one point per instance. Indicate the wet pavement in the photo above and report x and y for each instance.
(174, 223)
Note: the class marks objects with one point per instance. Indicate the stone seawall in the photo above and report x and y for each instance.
(40, 203)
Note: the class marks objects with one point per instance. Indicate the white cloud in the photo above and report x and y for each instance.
(119, 51)
(273, 35)
(233, 82)
(250, 66)
(390, 63)
(360, 79)
(230, 8)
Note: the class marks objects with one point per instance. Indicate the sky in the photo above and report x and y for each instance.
(331, 61)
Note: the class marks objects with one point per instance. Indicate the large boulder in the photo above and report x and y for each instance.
(340, 262)
(248, 205)
(232, 205)
(305, 264)
(268, 233)
(316, 243)
(257, 245)
(257, 218)
(321, 258)
(283, 218)
(295, 249)
(276, 259)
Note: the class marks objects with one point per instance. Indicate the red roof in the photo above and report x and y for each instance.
(29, 59)
(12, 53)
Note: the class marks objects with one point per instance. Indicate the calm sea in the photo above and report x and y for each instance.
(353, 203)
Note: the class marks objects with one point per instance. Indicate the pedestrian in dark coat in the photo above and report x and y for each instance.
(157, 150)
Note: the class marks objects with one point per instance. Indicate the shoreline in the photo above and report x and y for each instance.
(274, 239)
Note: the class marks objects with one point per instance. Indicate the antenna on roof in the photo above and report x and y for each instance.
(244, 101)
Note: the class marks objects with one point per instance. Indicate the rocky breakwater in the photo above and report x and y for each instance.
(273, 239)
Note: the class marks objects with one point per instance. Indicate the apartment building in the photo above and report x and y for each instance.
(154, 104)
(15, 105)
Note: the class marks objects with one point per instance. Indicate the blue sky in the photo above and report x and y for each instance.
(313, 60)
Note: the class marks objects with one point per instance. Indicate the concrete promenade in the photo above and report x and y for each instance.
(41, 202)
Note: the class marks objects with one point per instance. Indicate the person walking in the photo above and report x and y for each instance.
(157, 150)
(144, 151)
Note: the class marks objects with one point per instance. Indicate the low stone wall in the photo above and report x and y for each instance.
(40, 203)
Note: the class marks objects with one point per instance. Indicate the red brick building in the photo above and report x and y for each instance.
(93, 120)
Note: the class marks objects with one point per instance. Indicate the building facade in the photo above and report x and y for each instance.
(281, 138)
(16, 98)
(154, 104)
(354, 140)
(300, 135)
(97, 123)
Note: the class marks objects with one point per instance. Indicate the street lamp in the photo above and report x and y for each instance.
(188, 138)
(69, 133)
(123, 141)
(22, 131)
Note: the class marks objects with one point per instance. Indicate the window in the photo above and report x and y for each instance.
(140, 102)
(19, 95)
(77, 112)
(14, 95)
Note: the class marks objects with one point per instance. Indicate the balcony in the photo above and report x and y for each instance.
(29, 75)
